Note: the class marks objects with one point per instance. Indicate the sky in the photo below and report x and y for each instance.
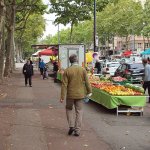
(50, 27)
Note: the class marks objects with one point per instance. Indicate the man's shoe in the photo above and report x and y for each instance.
(71, 130)
(76, 134)
(30, 85)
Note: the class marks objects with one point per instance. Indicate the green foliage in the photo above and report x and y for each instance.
(122, 18)
(30, 23)
(71, 11)
(34, 29)
(146, 19)
(83, 33)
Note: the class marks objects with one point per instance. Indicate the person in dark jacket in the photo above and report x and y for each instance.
(55, 69)
(28, 73)
(98, 66)
(31, 62)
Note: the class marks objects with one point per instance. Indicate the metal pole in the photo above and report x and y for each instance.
(94, 26)
(134, 43)
(58, 35)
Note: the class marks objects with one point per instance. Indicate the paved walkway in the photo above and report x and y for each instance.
(33, 119)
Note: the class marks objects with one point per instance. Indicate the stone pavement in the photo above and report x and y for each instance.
(33, 119)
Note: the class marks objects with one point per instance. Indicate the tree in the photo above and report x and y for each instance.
(34, 29)
(10, 26)
(71, 12)
(146, 21)
(83, 33)
(2, 19)
(17, 14)
(121, 19)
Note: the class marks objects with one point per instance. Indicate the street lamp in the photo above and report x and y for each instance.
(58, 34)
(95, 48)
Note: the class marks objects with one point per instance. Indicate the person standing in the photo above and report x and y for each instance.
(28, 73)
(55, 69)
(98, 66)
(75, 86)
(41, 66)
(31, 62)
(146, 84)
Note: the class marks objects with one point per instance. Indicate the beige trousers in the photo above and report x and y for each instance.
(78, 105)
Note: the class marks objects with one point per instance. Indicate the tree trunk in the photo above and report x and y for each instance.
(148, 41)
(71, 31)
(127, 42)
(144, 42)
(10, 12)
(2, 9)
(13, 55)
(113, 45)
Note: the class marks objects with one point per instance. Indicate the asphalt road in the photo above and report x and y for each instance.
(122, 132)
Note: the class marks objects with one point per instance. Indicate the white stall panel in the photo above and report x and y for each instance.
(66, 50)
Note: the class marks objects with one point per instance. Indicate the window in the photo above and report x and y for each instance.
(146, 45)
(139, 45)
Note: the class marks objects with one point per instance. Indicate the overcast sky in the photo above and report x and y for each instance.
(50, 27)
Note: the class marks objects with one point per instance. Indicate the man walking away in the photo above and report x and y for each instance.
(75, 86)
(28, 73)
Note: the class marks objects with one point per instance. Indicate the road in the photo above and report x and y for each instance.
(33, 119)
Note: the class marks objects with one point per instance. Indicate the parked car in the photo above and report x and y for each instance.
(110, 68)
(134, 72)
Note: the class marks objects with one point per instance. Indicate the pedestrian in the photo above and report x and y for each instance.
(39, 60)
(98, 66)
(75, 86)
(55, 69)
(31, 62)
(146, 83)
(28, 73)
(41, 66)
(45, 72)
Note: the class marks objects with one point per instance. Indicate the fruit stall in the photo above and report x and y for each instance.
(112, 95)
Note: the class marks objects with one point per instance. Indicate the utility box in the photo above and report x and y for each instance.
(65, 51)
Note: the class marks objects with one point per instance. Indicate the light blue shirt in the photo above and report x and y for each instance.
(147, 72)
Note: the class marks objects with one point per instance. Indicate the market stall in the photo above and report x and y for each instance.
(60, 75)
(113, 96)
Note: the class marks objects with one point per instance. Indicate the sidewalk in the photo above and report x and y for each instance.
(33, 119)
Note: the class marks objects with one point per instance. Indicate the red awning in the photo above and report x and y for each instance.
(47, 52)
(127, 53)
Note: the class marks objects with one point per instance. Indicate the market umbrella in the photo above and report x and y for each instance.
(47, 52)
(36, 53)
(146, 52)
(127, 53)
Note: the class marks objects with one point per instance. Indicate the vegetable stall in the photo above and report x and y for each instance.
(112, 95)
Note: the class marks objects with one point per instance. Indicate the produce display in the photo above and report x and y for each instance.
(137, 88)
(118, 79)
(119, 90)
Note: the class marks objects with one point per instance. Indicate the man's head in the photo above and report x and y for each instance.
(73, 58)
(148, 60)
(144, 61)
(28, 62)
